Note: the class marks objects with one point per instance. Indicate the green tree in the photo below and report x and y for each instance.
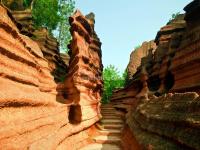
(53, 14)
(45, 14)
(112, 80)
(66, 8)
(125, 78)
(27, 3)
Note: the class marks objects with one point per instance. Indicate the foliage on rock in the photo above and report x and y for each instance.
(174, 16)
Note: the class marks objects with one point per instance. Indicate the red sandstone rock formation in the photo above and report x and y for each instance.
(31, 114)
(136, 55)
(83, 82)
(169, 121)
(65, 57)
(48, 44)
(24, 18)
(186, 61)
(50, 50)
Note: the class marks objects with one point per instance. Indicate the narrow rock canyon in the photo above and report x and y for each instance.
(52, 101)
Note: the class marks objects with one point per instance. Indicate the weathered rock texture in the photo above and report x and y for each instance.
(32, 113)
(14, 4)
(137, 55)
(187, 57)
(50, 50)
(167, 122)
(65, 57)
(47, 43)
(158, 117)
(83, 82)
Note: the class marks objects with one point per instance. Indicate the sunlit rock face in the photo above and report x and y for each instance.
(47, 43)
(136, 55)
(34, 112)
(163, 118)
(83, 82)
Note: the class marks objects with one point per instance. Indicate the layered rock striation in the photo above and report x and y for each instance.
(137, 55)
(34, 114)
(167, 122)
(187, 57)
(83, 82)
(47, 43)
(160, 100)
(50, 50)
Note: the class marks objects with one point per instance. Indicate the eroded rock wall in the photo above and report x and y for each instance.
(50, 50)
(47, 43)
(137, 55)
(34, 113)
(83, 82)
(158, 116)
(187, 57)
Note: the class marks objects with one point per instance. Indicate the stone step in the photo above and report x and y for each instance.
(107, 108)
(116, 119)
(113, 126)
(101, 147)
(108, 111)
(110, 114)
(110, 132)
(111, 117)
(107, 139)
(112, 121)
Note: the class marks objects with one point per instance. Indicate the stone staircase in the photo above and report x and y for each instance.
(110, 133)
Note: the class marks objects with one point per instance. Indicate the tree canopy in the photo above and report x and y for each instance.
(53, 14)
(66, 8)
(112, 80)
(45, 14)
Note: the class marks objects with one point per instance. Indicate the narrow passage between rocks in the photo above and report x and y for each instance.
(111, 126)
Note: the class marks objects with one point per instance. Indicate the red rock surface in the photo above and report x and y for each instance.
(47, 43)
(65, 57)
(32, 115)
(187, 58)
(50, 50)
(136, 55)
(128, 140)
(158, 117)
(83, 82)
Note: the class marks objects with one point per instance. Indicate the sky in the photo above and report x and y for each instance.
(124, 24)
